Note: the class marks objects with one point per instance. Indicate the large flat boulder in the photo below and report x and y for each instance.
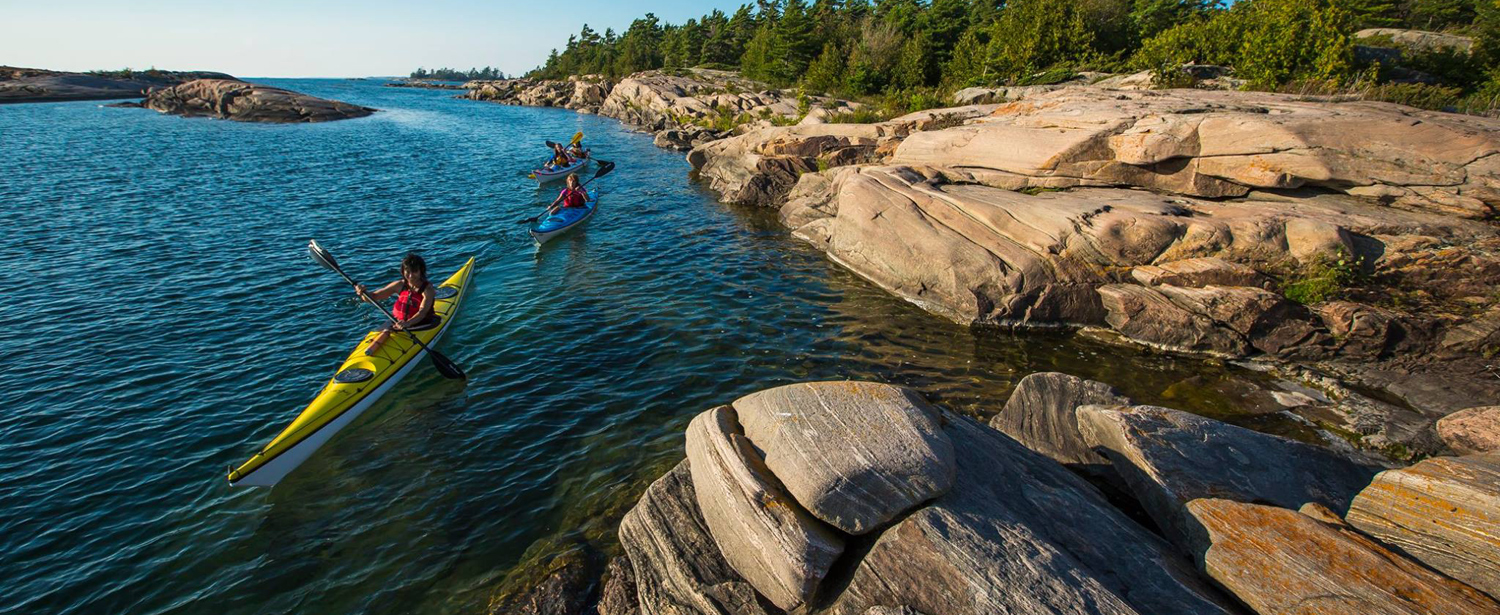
(1471, 431)
(1443, 511)
(227, 99)
(1169, 458)
(1020, 534)
(1042, 414)
(677, 566)
(979, 254)
(855, 454)
(1281, 561)
(1224, 144)
(764, 534)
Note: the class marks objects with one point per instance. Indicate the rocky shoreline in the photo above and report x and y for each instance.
(232, 99)
(1351, 246)
(860, 498)
(30, 85)
(1347, 246)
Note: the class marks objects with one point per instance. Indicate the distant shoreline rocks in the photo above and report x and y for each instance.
(231, 99)
(30, 85)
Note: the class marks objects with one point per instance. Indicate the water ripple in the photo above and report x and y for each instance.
(180, 327)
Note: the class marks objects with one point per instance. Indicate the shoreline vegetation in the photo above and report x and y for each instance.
(1231, 183)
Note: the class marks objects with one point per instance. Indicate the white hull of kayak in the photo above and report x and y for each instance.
(276, 469)
(541, 238)
(543, 176)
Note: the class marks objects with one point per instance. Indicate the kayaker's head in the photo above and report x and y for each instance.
(414, 271)
(573, 181)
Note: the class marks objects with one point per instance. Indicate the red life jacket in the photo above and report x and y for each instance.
(574, 198)
(408, 303)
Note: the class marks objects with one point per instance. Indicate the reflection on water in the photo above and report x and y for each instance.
(182, 327)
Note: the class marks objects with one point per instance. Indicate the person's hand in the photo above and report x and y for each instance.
(359, 289)
(397, 327)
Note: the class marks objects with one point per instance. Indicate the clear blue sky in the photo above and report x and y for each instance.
(312, 38)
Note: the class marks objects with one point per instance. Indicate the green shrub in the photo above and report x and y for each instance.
(866, 114)
(1323, 279)
(1268, 42)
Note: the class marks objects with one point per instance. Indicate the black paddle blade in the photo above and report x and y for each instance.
(447, 368)
(321, 256)
(605, 167)
(551, 145)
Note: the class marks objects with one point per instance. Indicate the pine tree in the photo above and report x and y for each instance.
(914, 68)
(793, 42)
(826, 74)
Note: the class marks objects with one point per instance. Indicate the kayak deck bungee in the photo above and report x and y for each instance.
(545, 175)
(564, 220)
(358, 384)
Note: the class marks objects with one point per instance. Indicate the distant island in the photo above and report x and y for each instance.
(453, 74)
(25, 85)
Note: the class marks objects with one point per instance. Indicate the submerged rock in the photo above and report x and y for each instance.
(1443, 511)
(1020, 534)
(564, 587)
(855, 454)
(678, 567)
(618, 596)
(1280, 561)
(1169, 458)
(765, 535)
(247, 102)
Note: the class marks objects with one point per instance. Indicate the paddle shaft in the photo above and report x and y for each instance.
(602, 173)
(392, 317)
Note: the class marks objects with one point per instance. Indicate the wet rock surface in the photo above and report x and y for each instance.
(247, 102)
(1444, 511)
(1282, 561)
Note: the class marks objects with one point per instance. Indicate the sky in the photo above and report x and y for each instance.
(312, 38)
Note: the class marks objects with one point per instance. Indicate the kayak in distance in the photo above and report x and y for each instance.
(544, 175)
(357, 385)
(566, 219)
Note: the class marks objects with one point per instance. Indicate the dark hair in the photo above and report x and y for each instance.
(414, 263)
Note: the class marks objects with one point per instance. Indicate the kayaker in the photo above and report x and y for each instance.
(413, 309)
(577, 152)
(571, 196)
(560, 157)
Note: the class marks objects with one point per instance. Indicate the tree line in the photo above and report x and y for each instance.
(916, 51)
(450, 74)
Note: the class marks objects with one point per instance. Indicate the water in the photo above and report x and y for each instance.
(165, 324)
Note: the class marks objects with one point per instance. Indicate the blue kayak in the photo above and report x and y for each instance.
(566, 219)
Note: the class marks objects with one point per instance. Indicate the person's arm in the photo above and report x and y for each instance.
(379, 294)
(552, 209)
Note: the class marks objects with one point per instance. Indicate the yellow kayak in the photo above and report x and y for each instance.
(358, 384)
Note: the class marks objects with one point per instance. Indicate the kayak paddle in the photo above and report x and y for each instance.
(444, 366)
(605, 167)
(577, 136)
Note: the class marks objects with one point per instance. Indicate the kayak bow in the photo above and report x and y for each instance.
(357, 385)
(545, 175)
(566, 219)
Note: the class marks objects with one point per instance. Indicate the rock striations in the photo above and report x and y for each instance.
(955, 517)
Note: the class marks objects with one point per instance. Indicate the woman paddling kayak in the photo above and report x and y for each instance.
(571, 196)
(413, 309)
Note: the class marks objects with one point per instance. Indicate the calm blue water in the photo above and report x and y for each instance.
(165, 323)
